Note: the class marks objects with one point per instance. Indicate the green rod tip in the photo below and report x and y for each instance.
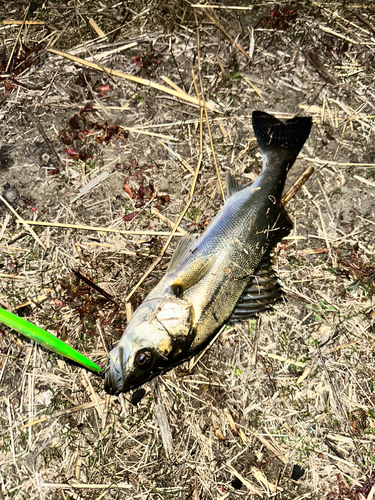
(46, 339)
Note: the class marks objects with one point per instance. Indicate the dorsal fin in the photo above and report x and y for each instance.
(282, 140)
(260, 294)
(183, 248)
(231, 184)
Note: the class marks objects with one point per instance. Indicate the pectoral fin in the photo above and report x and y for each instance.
(192, 275)
(260, 294)
(231, 185)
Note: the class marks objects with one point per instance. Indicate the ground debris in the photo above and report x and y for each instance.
(279, 408)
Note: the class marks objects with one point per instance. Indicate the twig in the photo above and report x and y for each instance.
(336, 163)
(339, 35)
(365, 21)
(97, 28)
(84, 406)
(248, 485)
(166, 220)
(247, 80)
(297, 185)
(169, 82)
(11, 432)
(94, 286)
(178, 156)
(46, 139)
(101, 333)
(135, 79)
(7, 22)
(94, 228)
(151, 134)
(237, 45)
(365, 181)
(94, 486)
(271, 447)
(90, 185)
(283, 359)
(206, 115)
(318, 65)
(18, 37)
(255, 342)
(221, 7)
(322, 224)
(162, 418)
(25, 223)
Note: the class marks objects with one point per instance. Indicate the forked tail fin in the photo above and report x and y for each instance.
(280, 141)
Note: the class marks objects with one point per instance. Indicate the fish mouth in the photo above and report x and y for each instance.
(114, 380)
(110, 384)
(117, 380)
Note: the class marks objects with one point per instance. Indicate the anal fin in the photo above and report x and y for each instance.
(282, 227)
(260, 294)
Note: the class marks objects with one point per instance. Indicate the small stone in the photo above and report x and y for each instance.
(10, 195)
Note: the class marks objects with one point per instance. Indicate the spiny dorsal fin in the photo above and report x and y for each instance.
(283, 140)
(190, 276)
(231, 184)
(183, 248)
(260, 294)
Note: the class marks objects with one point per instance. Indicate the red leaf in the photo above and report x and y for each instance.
(141, 192)
(9, 85)
(275, 11)
(129, 217)
(53, 171)
(137, 60)
(164, 198)
(67, 137)
(72, 152)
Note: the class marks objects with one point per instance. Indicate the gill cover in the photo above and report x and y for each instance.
(155, 336)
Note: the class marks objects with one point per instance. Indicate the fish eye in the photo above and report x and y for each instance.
(143, 359)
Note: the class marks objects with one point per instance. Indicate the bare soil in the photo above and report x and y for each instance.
(282, 407)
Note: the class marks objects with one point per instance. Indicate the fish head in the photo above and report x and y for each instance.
(157, 334)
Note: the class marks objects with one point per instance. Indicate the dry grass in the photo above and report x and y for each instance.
(296, 387)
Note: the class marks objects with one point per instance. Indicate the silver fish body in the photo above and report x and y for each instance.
(222, 274)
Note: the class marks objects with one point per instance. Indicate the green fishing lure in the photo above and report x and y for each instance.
(46, 339)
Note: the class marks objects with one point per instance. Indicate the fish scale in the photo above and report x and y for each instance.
(225, 273)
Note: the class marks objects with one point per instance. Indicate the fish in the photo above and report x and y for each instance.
(223, 275)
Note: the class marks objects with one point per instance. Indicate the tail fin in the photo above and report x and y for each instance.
(280, 140)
